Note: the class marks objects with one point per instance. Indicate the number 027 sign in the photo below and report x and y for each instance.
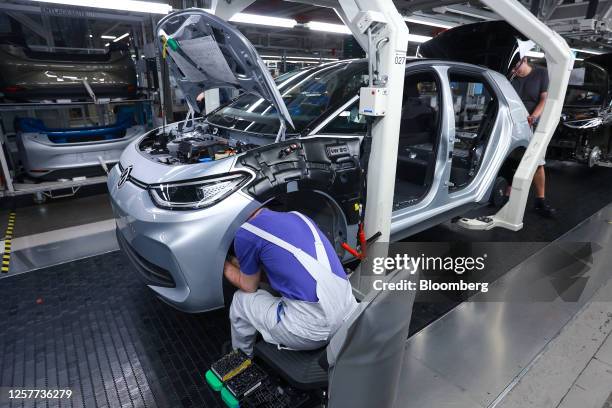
(400, 58)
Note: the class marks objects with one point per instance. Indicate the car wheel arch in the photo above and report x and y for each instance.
(321, 207)
(511, 163)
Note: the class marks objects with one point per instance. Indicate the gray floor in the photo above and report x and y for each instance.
(488, 351)
(59, 214)
(60, 231)
(55, 247)
(575, 369)
(495, 350)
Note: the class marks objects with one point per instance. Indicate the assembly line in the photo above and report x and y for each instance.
(305, 204)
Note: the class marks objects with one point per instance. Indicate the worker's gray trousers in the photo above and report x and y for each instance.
(256, 312)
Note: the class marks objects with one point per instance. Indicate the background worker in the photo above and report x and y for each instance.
(224, 97)
(531, 84)
(201, 101)
(300, 263)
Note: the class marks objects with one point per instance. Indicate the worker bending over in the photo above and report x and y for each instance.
(300, 263)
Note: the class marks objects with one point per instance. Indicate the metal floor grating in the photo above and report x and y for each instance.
(92, 326)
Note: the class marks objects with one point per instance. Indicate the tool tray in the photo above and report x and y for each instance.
(228, 363)
(246, 381)
(242, 383)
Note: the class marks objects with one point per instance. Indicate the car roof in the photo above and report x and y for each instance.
(409, 61)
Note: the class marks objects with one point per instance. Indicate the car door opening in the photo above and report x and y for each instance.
(419, 138)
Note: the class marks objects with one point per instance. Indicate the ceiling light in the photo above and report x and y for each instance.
(108, 37)
(121, 37)
(123, 5)
(415, 38)
(342, 29)
(432, 22)
(263, 20)
(107, 44)
(327, 27)
(470, 11)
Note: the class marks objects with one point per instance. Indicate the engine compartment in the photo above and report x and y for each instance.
(191, 143)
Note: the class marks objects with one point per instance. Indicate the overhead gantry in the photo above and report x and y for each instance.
(381, 30)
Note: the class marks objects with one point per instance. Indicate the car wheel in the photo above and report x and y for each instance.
(594, 156)
(498, 195)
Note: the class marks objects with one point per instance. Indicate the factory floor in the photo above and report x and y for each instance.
(73, 314)
(539, 337)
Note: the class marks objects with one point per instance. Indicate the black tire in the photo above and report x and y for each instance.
(498, 194)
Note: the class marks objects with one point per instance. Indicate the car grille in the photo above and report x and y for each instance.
(149, 272)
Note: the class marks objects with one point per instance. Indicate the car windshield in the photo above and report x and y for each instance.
(587, 85)
(308, 94)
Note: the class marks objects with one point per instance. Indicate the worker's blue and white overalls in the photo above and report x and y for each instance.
(295, 324)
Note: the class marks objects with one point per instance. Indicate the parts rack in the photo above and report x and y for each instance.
(46, 189)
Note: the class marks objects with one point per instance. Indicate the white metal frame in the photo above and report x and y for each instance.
(385, 130)
(560, 60)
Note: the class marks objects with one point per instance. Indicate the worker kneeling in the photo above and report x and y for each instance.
(300, 263)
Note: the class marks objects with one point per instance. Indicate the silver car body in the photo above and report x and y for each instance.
(41, 157)
(180, 253)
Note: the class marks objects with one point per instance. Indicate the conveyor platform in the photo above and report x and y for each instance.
(73, 314)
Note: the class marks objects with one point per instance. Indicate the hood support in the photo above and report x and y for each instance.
(280, 136)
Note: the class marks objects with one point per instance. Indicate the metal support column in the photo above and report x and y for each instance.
(560, 61)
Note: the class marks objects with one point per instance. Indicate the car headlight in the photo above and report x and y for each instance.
(197, 194)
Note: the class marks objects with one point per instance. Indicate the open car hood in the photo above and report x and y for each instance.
(493, 44)
(205, 52)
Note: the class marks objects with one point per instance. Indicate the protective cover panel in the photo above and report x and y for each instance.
(366, 355)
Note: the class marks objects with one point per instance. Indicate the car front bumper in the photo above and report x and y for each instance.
(41, 157)
(179, 254)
